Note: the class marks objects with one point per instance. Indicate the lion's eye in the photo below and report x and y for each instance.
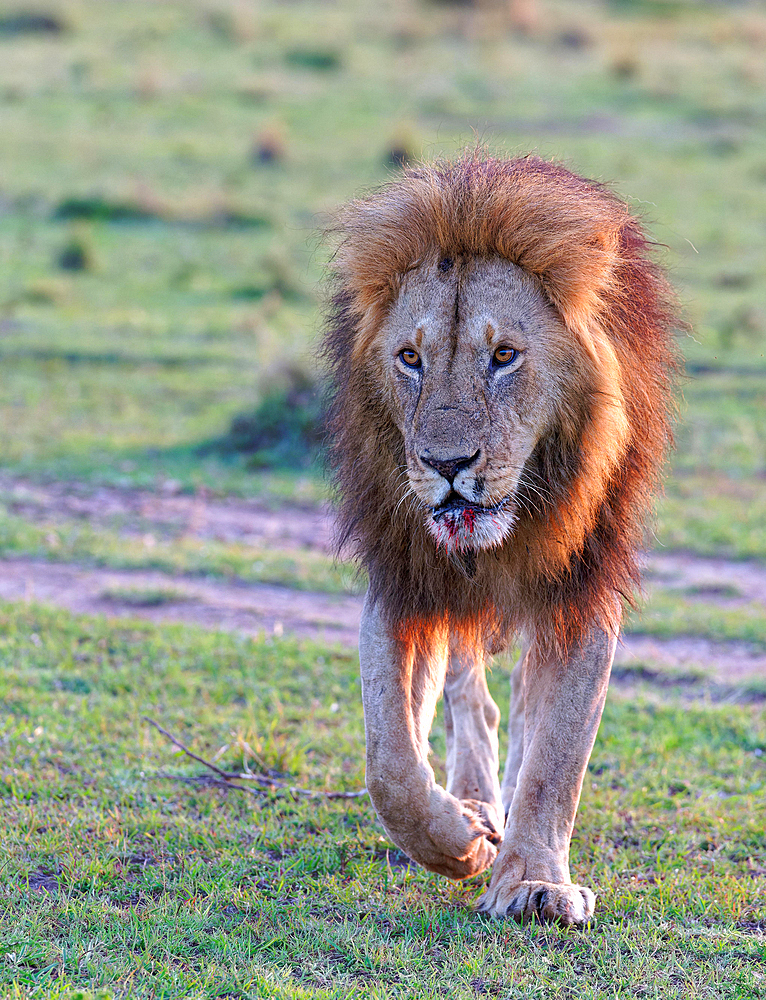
(410, 358)
(504, 355)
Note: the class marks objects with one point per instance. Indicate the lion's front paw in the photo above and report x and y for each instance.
(486, 838)
(565, 904)
(469, 840)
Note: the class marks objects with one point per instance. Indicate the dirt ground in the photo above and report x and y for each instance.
(244, 607)
(254, 608)
(168, 514)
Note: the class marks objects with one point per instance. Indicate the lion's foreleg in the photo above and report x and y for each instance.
(401, 682)
(471, 719)
(563, 703)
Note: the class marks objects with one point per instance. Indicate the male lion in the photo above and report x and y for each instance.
(501, 357)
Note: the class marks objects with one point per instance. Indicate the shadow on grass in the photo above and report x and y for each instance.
(94, 208)
(283, 431)
(80, 357)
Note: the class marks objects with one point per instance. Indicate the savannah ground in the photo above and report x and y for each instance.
(163, 169)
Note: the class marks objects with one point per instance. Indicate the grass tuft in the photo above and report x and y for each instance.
(284, 429)
(145, 597)
(75, 255)
(318, 60)
(26, 22)
(94, 208)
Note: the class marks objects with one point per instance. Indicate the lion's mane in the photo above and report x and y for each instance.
(577, 546)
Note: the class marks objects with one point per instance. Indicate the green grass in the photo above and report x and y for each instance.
(115, 879)
(668, 614)
(714, 514)
(145, 597)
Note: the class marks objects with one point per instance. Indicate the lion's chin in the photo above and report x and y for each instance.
(465, 527)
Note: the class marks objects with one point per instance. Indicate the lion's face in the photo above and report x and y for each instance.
(475, 357)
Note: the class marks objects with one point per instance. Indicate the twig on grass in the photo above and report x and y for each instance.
(187, 751)
(225, 778)
(208, 779)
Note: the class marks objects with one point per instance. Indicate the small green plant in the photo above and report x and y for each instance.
(712, 590)
(319, 60)
(25, 22)
(269, 146)
(75, 255)
(98, 209)
(284, 429)
(402, 149)
(145, 597)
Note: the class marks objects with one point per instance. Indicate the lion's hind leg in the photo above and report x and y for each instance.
(471, 720)
(515, 754)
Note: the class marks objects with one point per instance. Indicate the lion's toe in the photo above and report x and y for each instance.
(483, 822)
(568, 905)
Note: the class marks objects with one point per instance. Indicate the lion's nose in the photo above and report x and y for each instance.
(449, 467)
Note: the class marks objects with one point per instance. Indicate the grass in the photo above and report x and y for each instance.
(669, 612)
(686, 683)
(714, 515)
(145, 597)
(121, 881)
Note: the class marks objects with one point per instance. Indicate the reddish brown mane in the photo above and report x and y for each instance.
(569, 556)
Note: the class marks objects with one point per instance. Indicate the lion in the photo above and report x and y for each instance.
(500, 348)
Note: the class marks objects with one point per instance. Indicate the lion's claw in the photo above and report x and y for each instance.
(565, 904)
(478, 814)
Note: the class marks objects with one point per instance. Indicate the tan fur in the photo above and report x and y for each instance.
(487, 499)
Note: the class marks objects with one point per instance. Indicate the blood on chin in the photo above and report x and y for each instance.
(469, 528)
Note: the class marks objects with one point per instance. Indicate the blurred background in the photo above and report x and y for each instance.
(165, 167)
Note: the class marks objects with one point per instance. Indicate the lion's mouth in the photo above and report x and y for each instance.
(459, 525)
(456, 506)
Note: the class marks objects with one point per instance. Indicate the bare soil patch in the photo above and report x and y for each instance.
(273, 610)
(726, 581)
(249, 608)
(723, 662)
(42, 881)
(172, 515)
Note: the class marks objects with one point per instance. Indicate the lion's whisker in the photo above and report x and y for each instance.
(407, 495)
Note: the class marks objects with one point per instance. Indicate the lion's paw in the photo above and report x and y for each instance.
(565, 904)
(467, 848)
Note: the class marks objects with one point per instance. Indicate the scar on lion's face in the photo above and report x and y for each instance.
(471, 353)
